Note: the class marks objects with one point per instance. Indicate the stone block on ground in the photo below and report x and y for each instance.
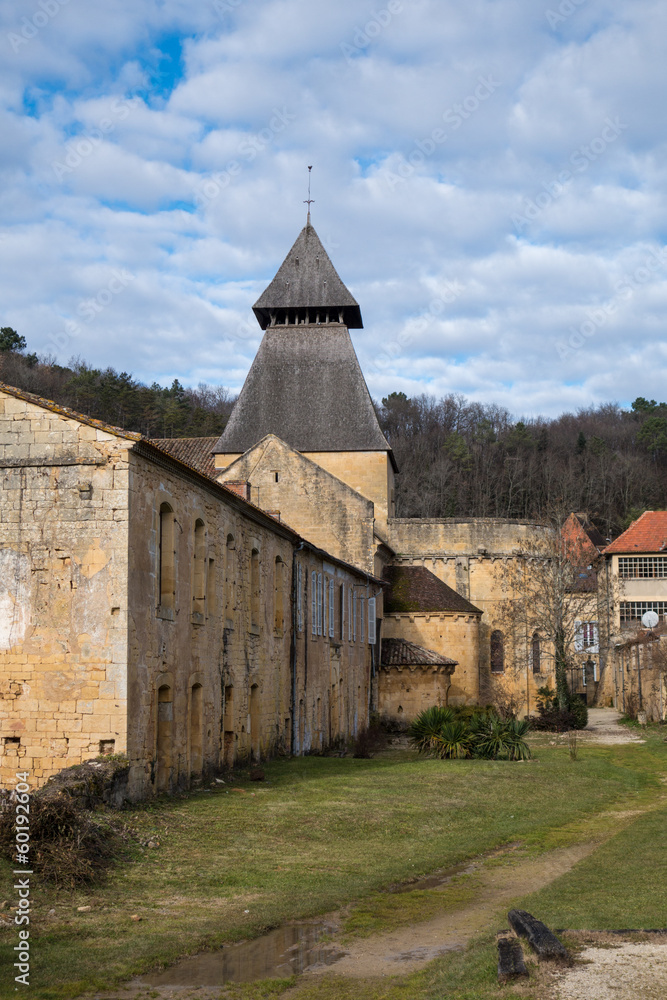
(510, 959)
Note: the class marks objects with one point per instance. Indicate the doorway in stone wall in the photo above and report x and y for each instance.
(255, 735)
(165, 723)
(196, 729)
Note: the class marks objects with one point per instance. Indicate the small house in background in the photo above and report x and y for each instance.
(412, 679)
(637, 562)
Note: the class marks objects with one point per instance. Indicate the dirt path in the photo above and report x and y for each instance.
(603, 727)
(409, 948)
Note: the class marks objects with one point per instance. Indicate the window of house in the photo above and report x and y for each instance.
(313, 601)
(325, 604)
(362, 634)
(211, 595)
(371, 621)
(332, 610)
(299, 597)
(167, 557)
(319, 604)
(349, 612)
(633, 610)
(642, 567)
(342, 611)
(586, 637)
(354, 617)
(497, 652)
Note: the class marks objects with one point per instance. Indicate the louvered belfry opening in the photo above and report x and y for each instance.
(307, 290)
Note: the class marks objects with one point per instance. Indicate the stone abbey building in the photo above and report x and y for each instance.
(190, 603)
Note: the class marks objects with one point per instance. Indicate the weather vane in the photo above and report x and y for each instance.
(309, 201)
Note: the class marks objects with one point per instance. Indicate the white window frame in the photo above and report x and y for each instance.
(349, 612)
(332, 609)
(319, 604)
(313, 601)
(372, 626)
(325, 605)
(354, 616)
(586, 637)
(299, 597)
(342, 612)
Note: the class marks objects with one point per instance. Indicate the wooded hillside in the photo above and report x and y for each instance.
(457, 458)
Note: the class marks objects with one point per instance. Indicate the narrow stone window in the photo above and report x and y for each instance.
(199, 570)
(211, 593)
(167, 557)
(313, 602)
(342, 611)
(255, 725)
(371, 621)
(230, 578)
(319, 604)
(536, 653)
(332, 610)
(107, 747)
(254, 589)
(497, 652)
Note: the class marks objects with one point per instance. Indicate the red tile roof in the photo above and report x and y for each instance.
(195, 452)
(400, 652)
(647, 534)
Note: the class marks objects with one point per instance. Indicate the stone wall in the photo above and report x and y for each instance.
(456, 636)
(310, 500)
(405, 691)
(63, 581)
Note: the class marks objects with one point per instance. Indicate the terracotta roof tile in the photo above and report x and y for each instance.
(195, 452)
(400, 652)
(416, 589)
(647, 534)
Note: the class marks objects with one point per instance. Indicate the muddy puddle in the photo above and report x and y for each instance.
(297, 947)
(279, 954)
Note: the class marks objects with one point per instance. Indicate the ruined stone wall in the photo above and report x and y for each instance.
(63, 580)
(456, 636)
(310, 500)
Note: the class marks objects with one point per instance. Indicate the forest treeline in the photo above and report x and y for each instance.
(116, 397)
(464, 459)
(457, 458)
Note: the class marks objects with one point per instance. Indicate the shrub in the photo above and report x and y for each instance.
(484, 735)
(555, 720)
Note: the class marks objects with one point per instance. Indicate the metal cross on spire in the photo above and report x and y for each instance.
(309, 201)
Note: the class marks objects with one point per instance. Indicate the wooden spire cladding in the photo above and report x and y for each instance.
(307, 289)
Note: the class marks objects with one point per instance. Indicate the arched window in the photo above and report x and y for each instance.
(255, 725)
(536, 653)
(199, 570)
(254, 589)
(278, 588)
(497, 652)
(167, 556)
(230, 578)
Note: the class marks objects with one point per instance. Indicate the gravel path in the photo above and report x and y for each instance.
(629, 971)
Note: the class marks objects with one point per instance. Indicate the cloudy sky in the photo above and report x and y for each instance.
(489, 176)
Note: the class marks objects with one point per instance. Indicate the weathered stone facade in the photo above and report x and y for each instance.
(150, 611)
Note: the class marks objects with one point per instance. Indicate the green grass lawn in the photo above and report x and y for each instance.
(320, 833)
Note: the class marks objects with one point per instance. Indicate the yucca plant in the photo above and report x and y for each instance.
(517, 731)
(491, 738)
(425, 729)
(454, 741)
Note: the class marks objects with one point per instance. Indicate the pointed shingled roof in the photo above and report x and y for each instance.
(306, 387)
(307, 281)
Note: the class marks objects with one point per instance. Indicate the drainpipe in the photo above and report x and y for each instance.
(293, 697)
